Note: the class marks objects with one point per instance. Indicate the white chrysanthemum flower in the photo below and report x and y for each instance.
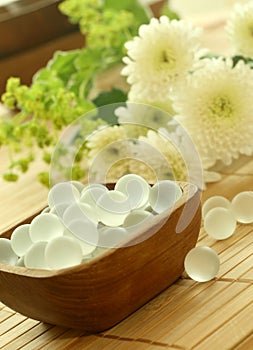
(240, 29)
(215, 106)
(187, 150)
(161, 156)
(135, 96)
(106, 139)
(164, 52)
(109, 149)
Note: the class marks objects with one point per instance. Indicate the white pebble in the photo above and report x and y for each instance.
(202, 264)
(163, 195)
(136, 188)
(215, 201)
(63, 192)
(86, 248)
(59, 209)
(35, 256)
(113, 207)
(91, 194)
(7, 255)
(136, 218)
(219, 223)
(63, 252)
(85, 230)
(111, 236)
(45, 227)
(21, 240)
(242, 207)
(78, 185)
(79, 211)
(93, 185)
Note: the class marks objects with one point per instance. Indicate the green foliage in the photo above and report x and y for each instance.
(106, 25)
(59, 93)
(109, 98)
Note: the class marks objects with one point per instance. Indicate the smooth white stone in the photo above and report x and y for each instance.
(213, 202)
(202, 264)
(63, 252)
(21, 240)
(7, 255)
(136, 218)
(79, 211)
(87, 249)
(35, 256)
(59, 209)
(45, 227)
(78, 185)
(91, 194)
(85, 230)
(111, 236)
(136, 188)
(219, 223)
(89, 186)
(62, 192)
(242, 207)
(163, 195)
(112, 208)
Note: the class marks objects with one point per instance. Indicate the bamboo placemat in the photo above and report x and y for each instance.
(187, 315)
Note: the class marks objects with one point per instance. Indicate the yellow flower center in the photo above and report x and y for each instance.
(221, 107)
(167, 57)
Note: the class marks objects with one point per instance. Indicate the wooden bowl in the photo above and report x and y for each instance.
(99, 293)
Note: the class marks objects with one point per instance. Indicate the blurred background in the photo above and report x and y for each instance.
(32, 30)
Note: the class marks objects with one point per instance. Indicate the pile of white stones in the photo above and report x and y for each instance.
(83, 220)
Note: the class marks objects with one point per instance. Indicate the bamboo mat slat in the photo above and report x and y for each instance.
(246, 344)
(27, 337)
(198, 309)
(216, 320)
(4, 315)
(45, 338)
(248, 275)
(18, 331)
(221, 335)
(11, 323)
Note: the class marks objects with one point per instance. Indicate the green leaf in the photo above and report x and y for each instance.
(11, 177)
(109, 98)
(63, 63)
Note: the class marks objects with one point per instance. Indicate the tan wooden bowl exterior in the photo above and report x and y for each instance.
(99, 293)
